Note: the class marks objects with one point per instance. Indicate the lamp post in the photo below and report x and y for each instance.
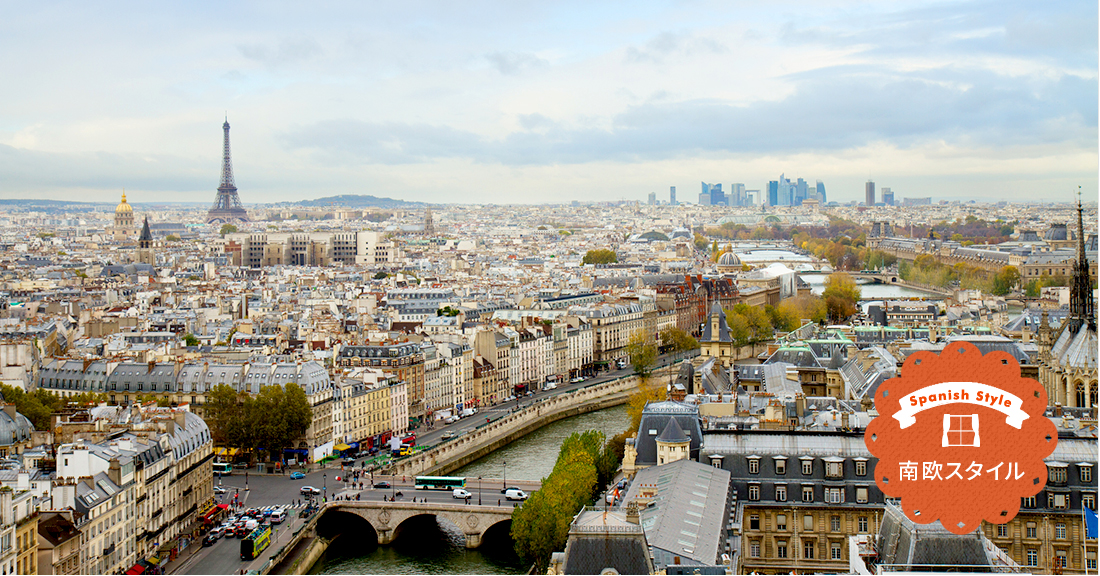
(505, 475)
(324, 485)
(479, 490)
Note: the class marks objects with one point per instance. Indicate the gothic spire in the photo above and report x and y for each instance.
(1080, 300)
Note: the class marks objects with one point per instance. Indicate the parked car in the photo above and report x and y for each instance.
(209, 540)
(310, 491)
(297, 475)
(461, 494)
(551, 386)
(219, 490)
(349, 461)
(515, 494)
(448, 435)
(382, 484)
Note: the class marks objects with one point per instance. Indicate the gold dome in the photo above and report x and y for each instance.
(123, 207)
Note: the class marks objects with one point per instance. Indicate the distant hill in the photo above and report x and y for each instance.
(360, 201)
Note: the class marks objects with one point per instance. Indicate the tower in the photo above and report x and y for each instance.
(429, 226)
(870, 193)
(145, 245)
(672, 195)
(227, 205)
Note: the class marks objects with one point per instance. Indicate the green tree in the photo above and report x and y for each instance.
(380, 275)
(642, 351)
(37, 406)
(740, 331)
(841, 295)
(172, 238)
(190, 340)
(227, 229)
(755, 318)
(600, 256)
(700, 242)
(677, 341)
(224, 411)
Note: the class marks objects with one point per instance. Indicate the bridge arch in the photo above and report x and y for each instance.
(387, 520)
(334, 522)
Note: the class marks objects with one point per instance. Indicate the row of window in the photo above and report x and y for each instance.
(833, 469)
(809, 548)
(832, 495)
(807, 522)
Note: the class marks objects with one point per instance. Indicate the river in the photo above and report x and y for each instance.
(439, 548)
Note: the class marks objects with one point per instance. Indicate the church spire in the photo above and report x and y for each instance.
(1080, 300)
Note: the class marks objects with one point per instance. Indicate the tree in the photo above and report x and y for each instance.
(806, 307)
(172, 238)
(752, 318)
(677, 341)
(190, 340)
(223, 414)
(642, 351)
(380, 275)
(600, 256)
(841, 295)
(227, 229)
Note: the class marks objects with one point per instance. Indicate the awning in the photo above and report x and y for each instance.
(227, 451)
(341, 447)
(136, 569)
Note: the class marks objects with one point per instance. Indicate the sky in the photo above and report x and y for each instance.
(546, 102)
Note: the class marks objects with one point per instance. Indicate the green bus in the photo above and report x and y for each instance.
(223, 468)
(439, 482)
(256, 542)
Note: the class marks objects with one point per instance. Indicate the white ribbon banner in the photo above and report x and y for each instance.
(961, 393)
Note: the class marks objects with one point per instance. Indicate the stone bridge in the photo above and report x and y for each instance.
(387, 518)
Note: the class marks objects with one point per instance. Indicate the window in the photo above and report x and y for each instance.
(754, 466)
(781, 522)
(1032, 557)
(863, 524)
(780, 466)
(1060, 558)
(781, 549)
(1090, 560)
(861, 468)
(807, 493)
(1030, 533)
(834, 551)
(754, 549)
(834, 495)
(834, 469)
(1060, 531)
(1002, 530)
(1028, 502)
(754, 491)
(780, 493)
(1057, 474)
(1086, 474)
(1089, 501)
(834, 523)
(808, 549)
(807, 522)
(861, 495)
(807, 467)
(1057, 501)
(754, 522)
(960, 430)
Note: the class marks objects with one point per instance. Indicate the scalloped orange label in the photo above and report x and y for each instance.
(961, 437)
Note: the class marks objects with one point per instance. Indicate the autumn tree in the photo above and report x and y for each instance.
(677, 341)
(642, 351)
(600, 256)
(841, 295)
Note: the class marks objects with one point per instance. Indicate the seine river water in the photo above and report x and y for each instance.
(439, 547)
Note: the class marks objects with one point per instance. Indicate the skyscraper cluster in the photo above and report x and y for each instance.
(713, 195)
(783, 192)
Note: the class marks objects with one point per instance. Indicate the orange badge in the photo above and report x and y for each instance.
(961, 437)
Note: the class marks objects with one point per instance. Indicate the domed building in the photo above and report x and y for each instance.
(729, 263)
(124, 221)
(15, 431)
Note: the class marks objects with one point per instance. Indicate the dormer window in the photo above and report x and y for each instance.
(754, 464)
(780, 464)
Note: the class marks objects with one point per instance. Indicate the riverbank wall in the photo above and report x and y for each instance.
(469, 447)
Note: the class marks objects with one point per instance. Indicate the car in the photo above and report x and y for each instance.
(209, 540)
(505, 490)
(515, 494)
(219, 490)
(349, 461)
(551, 386)
(383, 484)
(461, 494)
(310, 491)
(217, 532)
(448, 435)
(297, 475)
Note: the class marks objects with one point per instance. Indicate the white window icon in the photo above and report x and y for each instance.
(960, 430)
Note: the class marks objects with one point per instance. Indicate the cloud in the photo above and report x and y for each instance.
(512, 63)
(286, 51)
(668, 44)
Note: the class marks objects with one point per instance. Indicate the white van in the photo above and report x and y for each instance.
(515, 494)
(278, 516)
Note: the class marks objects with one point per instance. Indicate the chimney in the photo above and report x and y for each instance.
(114, 472)
(10, 410)
(1057, 409)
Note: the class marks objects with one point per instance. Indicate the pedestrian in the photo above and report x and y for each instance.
(498, 501)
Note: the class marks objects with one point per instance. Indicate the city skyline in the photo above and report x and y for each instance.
(430, 103)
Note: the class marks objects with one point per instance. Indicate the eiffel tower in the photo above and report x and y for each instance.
(227, 206)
